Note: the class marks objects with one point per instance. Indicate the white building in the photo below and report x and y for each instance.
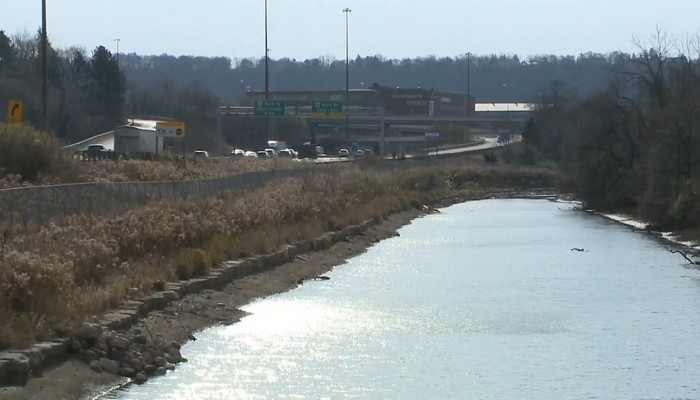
(138, 137)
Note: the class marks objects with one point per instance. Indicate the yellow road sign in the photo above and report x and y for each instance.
(15, 111)
(170, 129)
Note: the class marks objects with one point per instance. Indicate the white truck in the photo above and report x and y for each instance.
(277, 145)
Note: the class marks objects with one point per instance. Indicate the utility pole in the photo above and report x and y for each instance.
(347, 12)
(44, 66)
(469, 80)
(267, 60)
(267, 77)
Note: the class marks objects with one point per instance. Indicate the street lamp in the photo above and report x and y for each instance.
(117, 40)
(347, 12)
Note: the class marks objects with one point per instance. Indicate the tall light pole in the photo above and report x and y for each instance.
(117, 40)
(469, 81)
(347, 12)
(267, 60)
(44, 65)
(267, 76)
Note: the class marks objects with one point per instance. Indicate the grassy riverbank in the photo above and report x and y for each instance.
(65, 273)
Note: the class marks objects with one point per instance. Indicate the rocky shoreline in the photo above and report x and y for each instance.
(143, 337)
(101, 345)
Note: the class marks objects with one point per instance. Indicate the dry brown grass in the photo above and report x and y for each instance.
(69, 272)
(62, 168)
(138, 170)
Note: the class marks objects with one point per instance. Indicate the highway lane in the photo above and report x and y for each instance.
(107, 139)
(484, 144)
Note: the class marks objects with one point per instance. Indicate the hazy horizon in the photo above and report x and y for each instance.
(395, 29)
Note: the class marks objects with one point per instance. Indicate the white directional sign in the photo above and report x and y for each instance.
(170, 129)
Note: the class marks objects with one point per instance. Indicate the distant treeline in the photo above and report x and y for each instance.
(491, 78)
(92, 91)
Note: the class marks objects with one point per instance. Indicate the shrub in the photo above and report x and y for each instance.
(190, 263)
(28, 152)
(159, 285)
(490, 157)
(221, 248)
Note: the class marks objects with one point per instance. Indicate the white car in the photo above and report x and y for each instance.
(201, 154)
(250, 154)
(271, 152)
(238, 152)
(344, 153)
(287, 153)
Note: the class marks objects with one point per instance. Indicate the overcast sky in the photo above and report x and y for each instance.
(393, 28)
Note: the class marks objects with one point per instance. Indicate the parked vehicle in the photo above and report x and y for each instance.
(237, 152)
(96, 147)
(271, 152)
(263, 154)
(250, 154)
(359, 153)
(344, 153)
(200, 154)
(277, 145)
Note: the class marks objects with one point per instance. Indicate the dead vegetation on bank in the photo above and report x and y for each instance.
(65, 273)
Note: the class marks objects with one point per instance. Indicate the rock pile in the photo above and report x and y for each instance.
(133, 355)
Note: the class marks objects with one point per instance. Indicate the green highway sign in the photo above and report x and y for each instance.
(268, 108)
(327, 108)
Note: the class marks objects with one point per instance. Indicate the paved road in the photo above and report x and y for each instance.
(488, 143)
(107, 139)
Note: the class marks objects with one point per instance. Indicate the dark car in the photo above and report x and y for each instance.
(96, 148)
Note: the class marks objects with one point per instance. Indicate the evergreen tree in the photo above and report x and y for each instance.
(107, 85)
(7, 52)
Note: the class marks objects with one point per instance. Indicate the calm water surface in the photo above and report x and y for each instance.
(482, 301)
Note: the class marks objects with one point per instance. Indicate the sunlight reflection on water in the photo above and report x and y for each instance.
(484, 300)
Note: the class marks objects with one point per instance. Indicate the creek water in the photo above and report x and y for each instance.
(485, 300)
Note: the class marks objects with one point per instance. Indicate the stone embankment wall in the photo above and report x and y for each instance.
(106, 347)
